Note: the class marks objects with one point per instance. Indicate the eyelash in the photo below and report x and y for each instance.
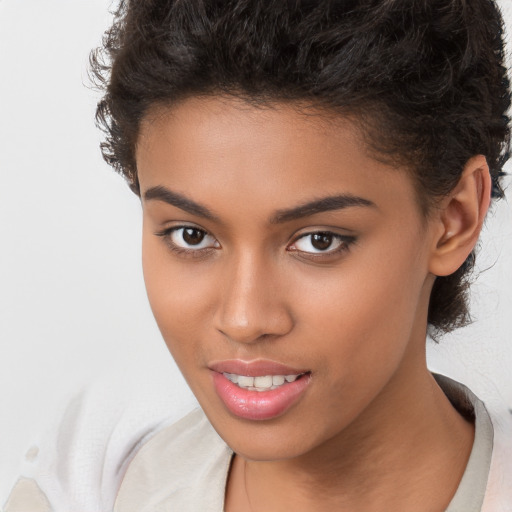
(166, 234)
(345, 243)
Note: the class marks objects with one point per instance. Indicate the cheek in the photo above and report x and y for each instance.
(363, 315)
(179, 295)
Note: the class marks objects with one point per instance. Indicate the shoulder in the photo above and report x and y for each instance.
(77, 461)
(498, 496)
(184, 465)
(491, 458)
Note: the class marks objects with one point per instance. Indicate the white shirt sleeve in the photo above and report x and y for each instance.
(78, 464)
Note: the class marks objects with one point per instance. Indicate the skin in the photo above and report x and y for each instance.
(373, 431)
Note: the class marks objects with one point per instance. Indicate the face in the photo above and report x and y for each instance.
(286, 268)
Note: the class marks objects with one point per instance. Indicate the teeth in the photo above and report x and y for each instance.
(260, 383)
(233, 377)
(277, 380)
(245, 382)
(263, 382)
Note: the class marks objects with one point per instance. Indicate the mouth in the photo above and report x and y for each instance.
(258, 390)
(262, 383)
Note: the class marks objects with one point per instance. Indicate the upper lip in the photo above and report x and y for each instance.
(254, 368)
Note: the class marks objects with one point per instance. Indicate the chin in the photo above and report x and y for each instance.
(265, 441)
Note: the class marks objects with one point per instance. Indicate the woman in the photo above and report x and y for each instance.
(314, 178)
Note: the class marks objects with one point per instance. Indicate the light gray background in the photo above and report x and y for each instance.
(73, 308)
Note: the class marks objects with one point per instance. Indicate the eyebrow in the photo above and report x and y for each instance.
(325, 204)
(183, 203)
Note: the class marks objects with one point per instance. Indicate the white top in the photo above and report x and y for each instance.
(184, 466)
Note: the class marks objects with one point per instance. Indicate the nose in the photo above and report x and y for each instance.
(251, 306)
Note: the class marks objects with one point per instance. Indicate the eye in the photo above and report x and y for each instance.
(191, 238)
(321, 242)
(188, 239)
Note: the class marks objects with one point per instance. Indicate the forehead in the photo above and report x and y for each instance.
(211, 122)
(216, 149)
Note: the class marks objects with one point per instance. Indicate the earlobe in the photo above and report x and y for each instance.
(461, 217)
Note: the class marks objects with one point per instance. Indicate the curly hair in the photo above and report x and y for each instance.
(425, 79)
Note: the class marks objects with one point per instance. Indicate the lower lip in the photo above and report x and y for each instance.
(259, 405)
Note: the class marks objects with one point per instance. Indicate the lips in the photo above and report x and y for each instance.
(258, 404)
(256, 368)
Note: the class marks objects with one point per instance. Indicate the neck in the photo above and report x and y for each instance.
(408, 451)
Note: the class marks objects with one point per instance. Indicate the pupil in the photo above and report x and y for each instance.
(193, 236)
(321, 241)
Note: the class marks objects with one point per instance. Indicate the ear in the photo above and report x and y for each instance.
(460, 218)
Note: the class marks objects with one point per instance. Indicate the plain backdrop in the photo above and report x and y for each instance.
(73, 309)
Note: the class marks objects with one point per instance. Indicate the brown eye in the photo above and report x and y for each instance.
(190, 238)
(321, 241)
(193, 236)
